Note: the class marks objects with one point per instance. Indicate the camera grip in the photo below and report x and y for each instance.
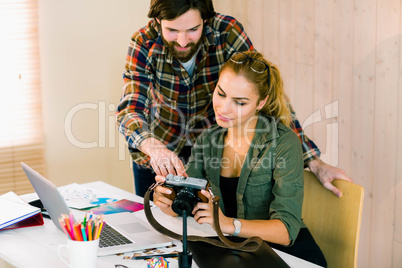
(172, 195)
(202, 197)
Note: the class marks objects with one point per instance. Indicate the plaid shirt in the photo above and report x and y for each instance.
(161, 100)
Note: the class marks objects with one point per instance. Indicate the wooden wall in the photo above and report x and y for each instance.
(341, 63)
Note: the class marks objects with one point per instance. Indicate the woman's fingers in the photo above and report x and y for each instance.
(160, 178)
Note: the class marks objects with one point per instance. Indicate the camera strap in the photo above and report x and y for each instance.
(249, 245)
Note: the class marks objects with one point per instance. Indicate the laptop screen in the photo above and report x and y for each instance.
(48, 194)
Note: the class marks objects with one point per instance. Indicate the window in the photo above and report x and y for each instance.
(21, 128)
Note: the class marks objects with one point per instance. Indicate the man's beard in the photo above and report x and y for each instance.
(183, 56)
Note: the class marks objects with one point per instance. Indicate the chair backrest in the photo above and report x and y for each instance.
(334, 222)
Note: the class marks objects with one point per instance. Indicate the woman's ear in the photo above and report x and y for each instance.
(158, 21)
(262, 103)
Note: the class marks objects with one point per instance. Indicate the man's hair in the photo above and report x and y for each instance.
(171, 9)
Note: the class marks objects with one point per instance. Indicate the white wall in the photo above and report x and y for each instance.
(83, 45)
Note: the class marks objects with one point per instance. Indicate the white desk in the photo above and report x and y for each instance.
(37, 246)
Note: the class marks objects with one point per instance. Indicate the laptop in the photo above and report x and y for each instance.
(128, 232)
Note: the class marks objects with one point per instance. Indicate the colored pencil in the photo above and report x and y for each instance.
(87, 230)
(63, 226)
(84, 236)
(99, 231)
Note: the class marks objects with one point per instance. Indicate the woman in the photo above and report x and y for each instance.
(252, 159)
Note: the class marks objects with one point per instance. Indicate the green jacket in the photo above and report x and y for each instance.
(271, 180)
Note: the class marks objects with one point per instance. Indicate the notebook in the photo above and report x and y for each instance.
(130, 232)
(15, 213)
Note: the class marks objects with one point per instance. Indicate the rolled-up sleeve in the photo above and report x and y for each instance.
(288, 188)
(133, 110)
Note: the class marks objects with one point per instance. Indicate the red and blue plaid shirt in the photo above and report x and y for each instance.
(161, 100)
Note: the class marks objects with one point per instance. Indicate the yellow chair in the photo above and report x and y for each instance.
(334, 222)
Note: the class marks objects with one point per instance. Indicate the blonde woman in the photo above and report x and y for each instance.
(252, 159)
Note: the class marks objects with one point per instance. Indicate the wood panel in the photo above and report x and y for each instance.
(255, 21)
(397, 256)
(323, 51)
(342, 77)
(349, 52)
(270, 45)
(225, 7)
(385, 116)
(362, 112)
(287, 45)
(302, 101)
(239, 9)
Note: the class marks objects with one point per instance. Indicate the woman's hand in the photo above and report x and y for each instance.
(203, 213)
(160, 199)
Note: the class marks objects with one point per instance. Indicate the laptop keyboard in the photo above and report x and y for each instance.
(110, 237)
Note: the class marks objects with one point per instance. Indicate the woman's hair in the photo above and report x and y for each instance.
(276, 104)
(171, 9)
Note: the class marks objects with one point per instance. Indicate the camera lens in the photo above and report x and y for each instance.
(185, 201)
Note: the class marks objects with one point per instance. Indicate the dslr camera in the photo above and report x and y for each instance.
(186, 192)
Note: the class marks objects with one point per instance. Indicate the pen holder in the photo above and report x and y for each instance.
(81, 253)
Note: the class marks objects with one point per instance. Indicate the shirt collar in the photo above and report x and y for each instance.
(209, 34)
(266, 130)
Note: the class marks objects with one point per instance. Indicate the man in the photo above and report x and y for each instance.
(171, 71)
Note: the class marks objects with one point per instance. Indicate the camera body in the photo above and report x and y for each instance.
(186, 192)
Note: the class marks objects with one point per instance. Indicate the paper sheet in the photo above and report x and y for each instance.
(81, 197)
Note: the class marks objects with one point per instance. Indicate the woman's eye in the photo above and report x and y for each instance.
(240, 103)
(221, 95)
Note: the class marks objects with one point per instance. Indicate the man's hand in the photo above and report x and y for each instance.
(327, 173)
(163, 161)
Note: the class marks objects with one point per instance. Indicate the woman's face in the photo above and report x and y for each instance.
(235, 101)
